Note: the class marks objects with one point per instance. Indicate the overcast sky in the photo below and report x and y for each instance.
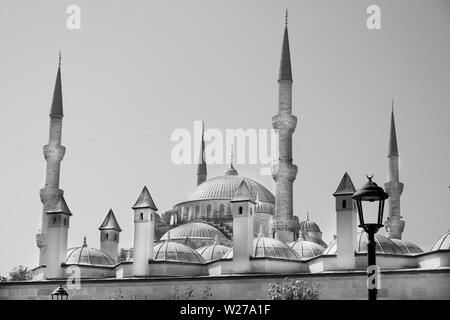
(133, 74)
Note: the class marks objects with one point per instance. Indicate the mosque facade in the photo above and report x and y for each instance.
(229, 224)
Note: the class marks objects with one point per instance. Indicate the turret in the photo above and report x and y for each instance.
(284, 225)
(58, 217)
(109, 235)
(53, 153)
(144, 232)
(345, 224)
(394, 223)
(243, 209)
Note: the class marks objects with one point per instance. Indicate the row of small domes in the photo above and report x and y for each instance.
(262, 247)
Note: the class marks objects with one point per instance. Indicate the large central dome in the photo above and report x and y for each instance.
(225, 187)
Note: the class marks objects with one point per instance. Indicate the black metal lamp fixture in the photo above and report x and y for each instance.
(59, 293)
(370, 192)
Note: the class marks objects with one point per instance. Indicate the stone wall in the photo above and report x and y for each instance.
(395, 284)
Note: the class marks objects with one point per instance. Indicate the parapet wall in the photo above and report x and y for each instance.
(395, 284)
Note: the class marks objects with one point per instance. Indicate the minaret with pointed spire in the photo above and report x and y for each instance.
(144, 232)
(201, 167)
(345, 224)
(53, 153)
(109, 235)
(57, 216)
(243, 209)
(284, 225)
(394, 223)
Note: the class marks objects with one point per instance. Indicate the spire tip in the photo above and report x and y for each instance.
(286, 17)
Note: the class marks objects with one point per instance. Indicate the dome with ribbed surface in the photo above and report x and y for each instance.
(213, 252)
(88, 256)
(194, 230)
(176, 252)
(308, 225)
(269, 248)
(443, 243)
(407, 247)
(382, 245)
(306, 249)
(225, 187)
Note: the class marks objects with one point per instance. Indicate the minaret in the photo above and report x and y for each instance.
(109, 235)
(58, 216)
(243, 209)
(345, 224)
(53, 153)
(394, 223)
(201, 167)
(284, 226)
(144, 232)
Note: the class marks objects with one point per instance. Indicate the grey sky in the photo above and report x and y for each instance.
(135, 73)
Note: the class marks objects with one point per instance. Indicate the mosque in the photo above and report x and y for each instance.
(227, 225)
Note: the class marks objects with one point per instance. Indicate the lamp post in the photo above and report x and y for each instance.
(370, 192)
(59, 293)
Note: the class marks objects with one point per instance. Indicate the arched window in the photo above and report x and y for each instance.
(208, 211)
(222, 209)
(197, 211)
(151, 216)
(106, 236)
(54, 220)
(251, 211)
(115, 237)
(240, 210)
(65, 221)
(344, 204)
(141, 217)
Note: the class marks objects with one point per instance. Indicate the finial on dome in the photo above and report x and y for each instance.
(84, 242)
(59, 63)
(307, 215)
(231, 170)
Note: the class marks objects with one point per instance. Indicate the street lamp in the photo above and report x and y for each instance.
(370, 192)
(60, 293)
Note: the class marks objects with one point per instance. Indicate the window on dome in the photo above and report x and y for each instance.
(222, 209)
(208, 211)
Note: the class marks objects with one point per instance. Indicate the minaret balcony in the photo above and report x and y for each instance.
(54, 152)
(284, 121)
(284, 171)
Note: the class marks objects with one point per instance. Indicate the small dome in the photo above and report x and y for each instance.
(88, 256)
(407, 247)
(177, 252)
(269, 248)
(306, 249)
(443, 243)
(213, 252)
(308, 225)
(194, 230)
(382, 245)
